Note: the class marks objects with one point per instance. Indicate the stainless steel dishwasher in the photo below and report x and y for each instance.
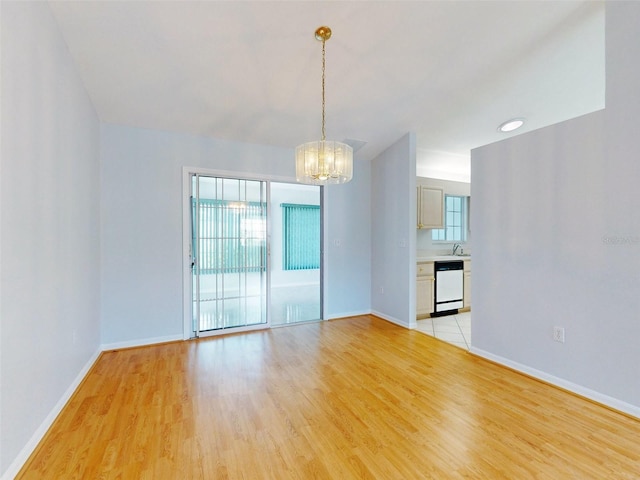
(449, 287)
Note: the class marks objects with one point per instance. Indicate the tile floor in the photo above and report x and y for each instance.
(454, 329)
(295, 304)
(288, 305)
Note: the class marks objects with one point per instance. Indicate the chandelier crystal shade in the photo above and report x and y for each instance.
(324, 161)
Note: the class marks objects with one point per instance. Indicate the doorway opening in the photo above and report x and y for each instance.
(295, 253)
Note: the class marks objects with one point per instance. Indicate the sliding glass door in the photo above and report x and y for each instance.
(228, 253)
(255, 253)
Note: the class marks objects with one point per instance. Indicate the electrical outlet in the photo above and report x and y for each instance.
(381, 290)
(558, 334)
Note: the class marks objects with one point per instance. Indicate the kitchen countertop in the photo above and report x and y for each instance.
(442, 258)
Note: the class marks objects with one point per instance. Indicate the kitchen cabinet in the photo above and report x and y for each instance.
(424, 289)
(430, 207)
(466, 298)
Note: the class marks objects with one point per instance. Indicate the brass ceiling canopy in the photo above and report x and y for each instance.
(323, 34)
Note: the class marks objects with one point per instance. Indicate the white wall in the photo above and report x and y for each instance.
(141, 264)
(141, 174)
(557, 239)
(393, 232)
(49, 281)
(347, 220)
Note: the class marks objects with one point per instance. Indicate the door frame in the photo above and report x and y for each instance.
(187, 299)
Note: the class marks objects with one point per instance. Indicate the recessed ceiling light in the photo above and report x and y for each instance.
(511, 125)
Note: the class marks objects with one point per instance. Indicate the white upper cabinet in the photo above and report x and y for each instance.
(430, 207)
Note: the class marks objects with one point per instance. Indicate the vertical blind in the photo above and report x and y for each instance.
(301, 236)
(232, 236)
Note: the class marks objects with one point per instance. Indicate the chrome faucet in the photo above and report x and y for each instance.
(456, 246)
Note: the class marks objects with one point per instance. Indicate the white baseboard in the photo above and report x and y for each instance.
(35, 439)
(597, 397)
(140, 342)
(347, 314)
(292, 285)
(391, 319)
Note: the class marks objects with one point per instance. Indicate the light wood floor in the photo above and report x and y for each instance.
(351, 398)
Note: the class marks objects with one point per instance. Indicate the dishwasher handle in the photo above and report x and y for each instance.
(451, 265)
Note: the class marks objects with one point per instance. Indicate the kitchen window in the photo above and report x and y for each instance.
(456, 220)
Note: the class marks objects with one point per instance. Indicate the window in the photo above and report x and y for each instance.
(301, 236)
(232, 236)
(455, 220)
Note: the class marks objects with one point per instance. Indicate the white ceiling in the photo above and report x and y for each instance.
(250, 71)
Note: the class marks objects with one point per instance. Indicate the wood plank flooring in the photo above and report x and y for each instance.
(345, 399)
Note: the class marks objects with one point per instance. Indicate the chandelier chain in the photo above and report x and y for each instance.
(323, 70)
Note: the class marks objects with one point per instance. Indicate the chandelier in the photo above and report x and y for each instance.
(324, 161)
